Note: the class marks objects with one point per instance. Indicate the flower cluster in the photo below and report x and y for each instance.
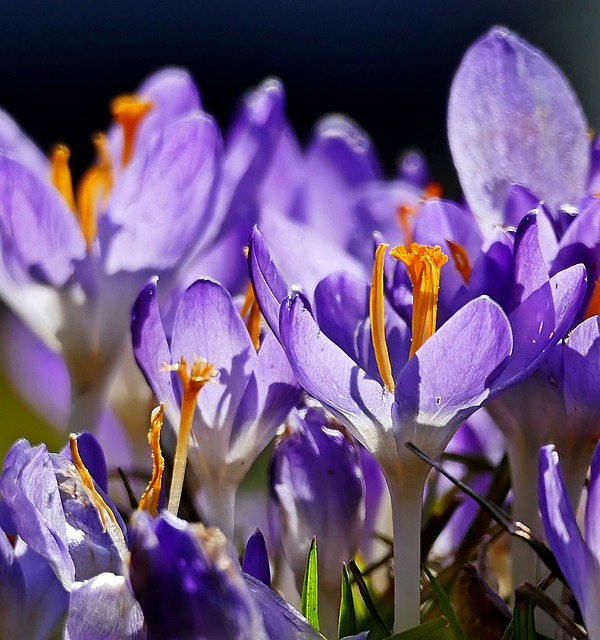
(253, 285)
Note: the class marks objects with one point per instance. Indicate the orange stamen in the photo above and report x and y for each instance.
(461, 260)
(150, 497)
(402, 214)
(96, 499)
(251, 316)
(128, 111)
(432, 190)
(423, 265)
(593, 308)
(201, 373)
(60, 174)
(376, 306)
(94, 187)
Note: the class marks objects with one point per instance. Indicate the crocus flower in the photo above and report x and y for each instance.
(189, 584)
(513, 118)
(316, 482)
(238, 412)
(579, 560)
(70, 543)
(71, 266)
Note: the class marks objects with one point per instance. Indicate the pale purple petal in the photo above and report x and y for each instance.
(209, 326)
(104, 607)
(163, 200)
(40, 236)
(15, 142)
(575, 560)
(581, 386)
(270, 394)
(541, 321)
(513, 118)
(332, 377)
(269, 286)
(31, 494)
(151, 349)
(450, 375)
(339, 159)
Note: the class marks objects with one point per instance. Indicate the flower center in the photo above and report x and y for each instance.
(201, 372)
(423, 264)
(96, 183)
(460, 259)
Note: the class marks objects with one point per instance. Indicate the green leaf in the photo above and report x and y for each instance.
(366, 596)
(437, 629)
(446, 606)
(524, 620)
(347, 617)
(310, 587)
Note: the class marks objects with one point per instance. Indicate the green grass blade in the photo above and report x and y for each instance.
(347, 617)
(437, 629)
(446, 606)
(310, 587)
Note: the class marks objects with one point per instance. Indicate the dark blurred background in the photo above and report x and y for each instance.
(388, 64)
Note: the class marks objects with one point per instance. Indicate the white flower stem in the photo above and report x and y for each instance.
(524, 477)
(406, 492)
(218, 506)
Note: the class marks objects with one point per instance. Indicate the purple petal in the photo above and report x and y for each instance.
(304, 256)
(39, 234)
(151, 349)
(332, 377)
(440, 385)
(104, 607)
(162, 202)
(15, 142)
(581, 386)
(513, 118)
(270, 394)
(30, 491)
(519, 202)
(269, 286)
(578, 565)
(530, 270)
(208, 325)
(256, 560)
(541, 321)
(342, 309)
(281, 620)
(339, 159)
(592, 508)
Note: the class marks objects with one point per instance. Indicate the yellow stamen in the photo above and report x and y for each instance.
(593, 308)
(461, 260)
(150, 497)
(128, 111)
(201, 372)
(376, 305)
(251, 316)
(402, 214)
(60, 174)
(423, 265)
(94, 187)
(96, 499)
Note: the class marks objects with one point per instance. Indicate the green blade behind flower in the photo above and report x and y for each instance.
(310, 587)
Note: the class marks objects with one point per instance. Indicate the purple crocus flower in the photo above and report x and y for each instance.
(514, 119)
(70, 542)
(72, 267)
(579, 560)
(239, 411)
(316, 481)
(188, 581)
